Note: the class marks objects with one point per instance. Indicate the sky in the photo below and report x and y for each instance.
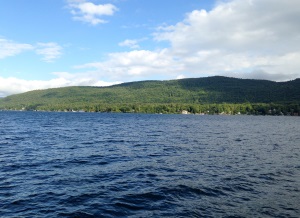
(58, 43)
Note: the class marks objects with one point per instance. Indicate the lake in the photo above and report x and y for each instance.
(141, 165)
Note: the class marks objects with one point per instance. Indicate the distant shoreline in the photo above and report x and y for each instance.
(195, 114)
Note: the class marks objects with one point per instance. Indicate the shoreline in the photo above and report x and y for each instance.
(179, 113)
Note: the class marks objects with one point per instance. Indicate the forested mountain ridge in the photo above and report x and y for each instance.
(220, 89)
(193, 91)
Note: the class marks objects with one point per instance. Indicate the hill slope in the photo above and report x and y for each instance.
(185, 91)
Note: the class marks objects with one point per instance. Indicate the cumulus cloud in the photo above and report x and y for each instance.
(240, 36)
(237, 26)
(135, 64)
(250, 38)
(89, 12)
(50, 51)
(10, 48)
(11, 85)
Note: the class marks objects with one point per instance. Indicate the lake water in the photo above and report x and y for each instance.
(139, 165)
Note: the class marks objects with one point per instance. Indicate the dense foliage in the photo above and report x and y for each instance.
(213, 95)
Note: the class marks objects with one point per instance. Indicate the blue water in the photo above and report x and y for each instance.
(138, 165)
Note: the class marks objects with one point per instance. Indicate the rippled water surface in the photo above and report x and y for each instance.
(138, 165)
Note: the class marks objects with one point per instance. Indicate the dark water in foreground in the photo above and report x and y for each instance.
(130, 165)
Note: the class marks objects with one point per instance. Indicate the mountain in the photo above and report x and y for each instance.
(193, 91)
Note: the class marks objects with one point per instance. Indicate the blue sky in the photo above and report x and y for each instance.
(55, 43)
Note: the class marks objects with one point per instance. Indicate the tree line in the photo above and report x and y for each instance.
(211, 109)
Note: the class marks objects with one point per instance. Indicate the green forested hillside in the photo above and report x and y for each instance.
(190, 94)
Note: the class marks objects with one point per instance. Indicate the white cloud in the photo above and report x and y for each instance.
(262, 75)
(237, 36)
(83, 79)
(50, 51)
(240, 36)
(11, 85)
(237, 26)
(10, 48)
(89, 12)
(136, 64)
(131, 43)
(180, 76)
